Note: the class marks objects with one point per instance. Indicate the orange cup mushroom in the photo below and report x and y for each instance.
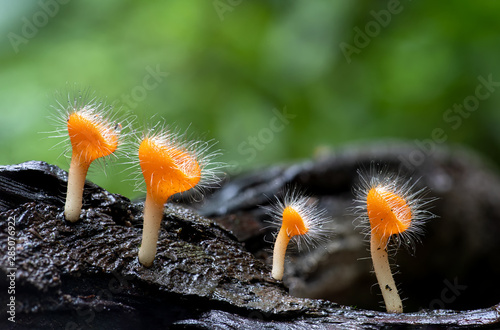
(92, 136)
(169, 166)
(299, 218)
(393, 212)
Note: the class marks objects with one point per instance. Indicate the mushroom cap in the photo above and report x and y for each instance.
(388, 212)
(91, 135)
(391, 208)
(293, 222)
(299, 215)
(167, 168)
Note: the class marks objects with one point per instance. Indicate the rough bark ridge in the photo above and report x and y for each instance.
(86, 275)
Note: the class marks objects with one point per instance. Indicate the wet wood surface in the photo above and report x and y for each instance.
(212, 266)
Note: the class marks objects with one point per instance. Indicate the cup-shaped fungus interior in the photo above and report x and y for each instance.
(388, 212)
(91, 137)
(293, 223)
(167, 170)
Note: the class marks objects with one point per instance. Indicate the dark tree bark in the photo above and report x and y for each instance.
(213, 271)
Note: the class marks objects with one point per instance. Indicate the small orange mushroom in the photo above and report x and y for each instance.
(92, 136)
(393, 211)
(169, 165)
(298, 217)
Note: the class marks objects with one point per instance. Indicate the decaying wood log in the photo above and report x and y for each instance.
(213, 271)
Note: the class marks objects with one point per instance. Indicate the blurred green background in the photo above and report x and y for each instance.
(225, 65)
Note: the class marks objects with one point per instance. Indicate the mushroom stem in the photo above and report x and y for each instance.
(76, 182)
(153, 214)
(279, 254)
(385, 280)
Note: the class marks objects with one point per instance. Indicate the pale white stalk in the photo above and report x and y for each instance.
(76, 181)
(279, 254)
(153, 214)
(385, 280)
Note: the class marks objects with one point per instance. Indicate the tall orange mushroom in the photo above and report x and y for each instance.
(93, 134)
(391, 211)
(170, 164)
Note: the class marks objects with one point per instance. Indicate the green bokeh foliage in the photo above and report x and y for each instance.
(230, 63)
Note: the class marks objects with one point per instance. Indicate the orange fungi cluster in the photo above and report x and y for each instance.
(169, 163)
(388, 207)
